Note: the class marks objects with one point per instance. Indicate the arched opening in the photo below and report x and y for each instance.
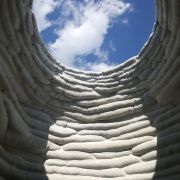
(94, 35)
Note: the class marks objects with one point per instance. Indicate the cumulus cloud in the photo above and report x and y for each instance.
(82, 30)
(41, 9)
(99, 67)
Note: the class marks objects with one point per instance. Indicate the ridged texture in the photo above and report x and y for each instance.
(58, 123)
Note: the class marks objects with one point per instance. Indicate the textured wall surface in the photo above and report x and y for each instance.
(60, 124)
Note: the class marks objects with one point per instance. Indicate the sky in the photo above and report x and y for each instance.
(94, 35)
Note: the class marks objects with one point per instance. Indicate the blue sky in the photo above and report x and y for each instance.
(94, 35)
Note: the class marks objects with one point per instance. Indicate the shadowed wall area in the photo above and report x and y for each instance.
(58, 123)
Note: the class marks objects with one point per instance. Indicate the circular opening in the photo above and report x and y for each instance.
(94, 35)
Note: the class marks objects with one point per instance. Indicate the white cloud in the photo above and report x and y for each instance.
(84, 28)
(125, 21)
(99, 67)
(111, 46)
(41, 9)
